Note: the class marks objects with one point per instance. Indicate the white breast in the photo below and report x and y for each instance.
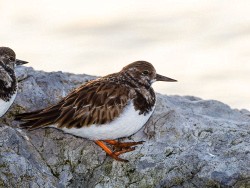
(128, 123)
(4, 106)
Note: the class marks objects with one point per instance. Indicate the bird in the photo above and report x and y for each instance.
(8, 80)
(105, 109)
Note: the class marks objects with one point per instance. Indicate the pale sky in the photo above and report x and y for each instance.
(205, 45)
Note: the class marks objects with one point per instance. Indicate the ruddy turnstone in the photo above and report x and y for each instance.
(105, 109)
(8, 81)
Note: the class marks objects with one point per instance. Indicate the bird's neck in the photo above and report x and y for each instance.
(144, 100)
(143, 95)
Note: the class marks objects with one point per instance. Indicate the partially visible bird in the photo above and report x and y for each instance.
(105, 109)
(8, 81)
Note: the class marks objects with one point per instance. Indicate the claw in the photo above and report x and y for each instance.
(120, 145)
(124, 151)
(120, 148)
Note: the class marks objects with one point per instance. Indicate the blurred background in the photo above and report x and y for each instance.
(205, 45)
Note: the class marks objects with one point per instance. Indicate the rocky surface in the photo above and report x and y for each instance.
(189, 142)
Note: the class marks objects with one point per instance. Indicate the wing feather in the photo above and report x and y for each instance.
(96, 102)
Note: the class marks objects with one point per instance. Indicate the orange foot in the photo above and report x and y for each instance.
(120, 148)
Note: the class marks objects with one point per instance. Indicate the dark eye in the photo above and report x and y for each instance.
(145, 72)
(11, 58)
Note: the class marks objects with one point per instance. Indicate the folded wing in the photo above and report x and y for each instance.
(95, 102)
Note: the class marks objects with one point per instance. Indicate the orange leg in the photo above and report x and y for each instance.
(120, 145)
(115, 154)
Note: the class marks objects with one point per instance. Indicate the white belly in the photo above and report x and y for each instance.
(4, 106)
(128, 123)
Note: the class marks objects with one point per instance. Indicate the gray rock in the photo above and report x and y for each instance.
(189, 142)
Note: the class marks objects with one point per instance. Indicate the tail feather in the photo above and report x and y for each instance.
(24, 116)
(35, 124)
(36, 115)
(39, 118)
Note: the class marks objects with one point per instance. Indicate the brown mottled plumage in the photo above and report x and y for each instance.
(99, 103)
(8, 82)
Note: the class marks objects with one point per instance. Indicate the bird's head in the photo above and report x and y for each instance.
(8, 58)
(144, 73)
